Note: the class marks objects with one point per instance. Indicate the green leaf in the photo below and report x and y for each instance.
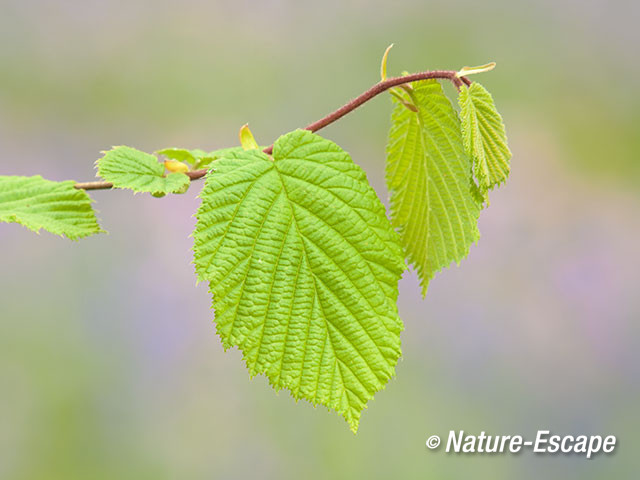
(484, 137)
(303, 266)
(434, 202)
(196, 157)
(127, 167)
(57, 207)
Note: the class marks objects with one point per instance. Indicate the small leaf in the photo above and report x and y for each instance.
(484, 137)
(57, 207)
(195, 157)
(303, 266)
(383, 64)
(487, 67)
(127, 167)
(175, 166)
(434, 203)
(246, 138)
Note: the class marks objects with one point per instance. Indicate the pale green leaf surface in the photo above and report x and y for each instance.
(196, 157)
(434, 204)
(127, 167)
(57, 207)
(185, 155)
(303, 266)
(484, 137)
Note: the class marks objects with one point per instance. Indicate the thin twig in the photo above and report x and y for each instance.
(97, 185)
(364, 97)
(100, 185)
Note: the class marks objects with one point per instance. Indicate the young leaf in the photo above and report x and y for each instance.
(246, 138)
(484, 137)
(57, 207)
(465, 71)
(433, 203)
(383, 63)
(176, 166)
(127, 167)
(303, 266)
(196, 158)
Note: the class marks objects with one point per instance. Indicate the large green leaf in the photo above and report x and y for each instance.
(434, 202)
(127, 167)
(57, 207)
(303, 266)
(484, 137)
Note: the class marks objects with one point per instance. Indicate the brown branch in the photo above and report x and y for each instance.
(100, 185)
(364, 97)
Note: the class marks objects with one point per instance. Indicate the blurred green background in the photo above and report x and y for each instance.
(109, 362)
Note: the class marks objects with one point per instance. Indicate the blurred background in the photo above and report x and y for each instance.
(109, 362)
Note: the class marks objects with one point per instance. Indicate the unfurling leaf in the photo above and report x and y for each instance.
(487, 67)
(196, 158)
(383, 63)
(175, 166)
(484, 137)
(57, 207)
(303, 266)
(246, 138)
(127, 167)
(434, 202)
